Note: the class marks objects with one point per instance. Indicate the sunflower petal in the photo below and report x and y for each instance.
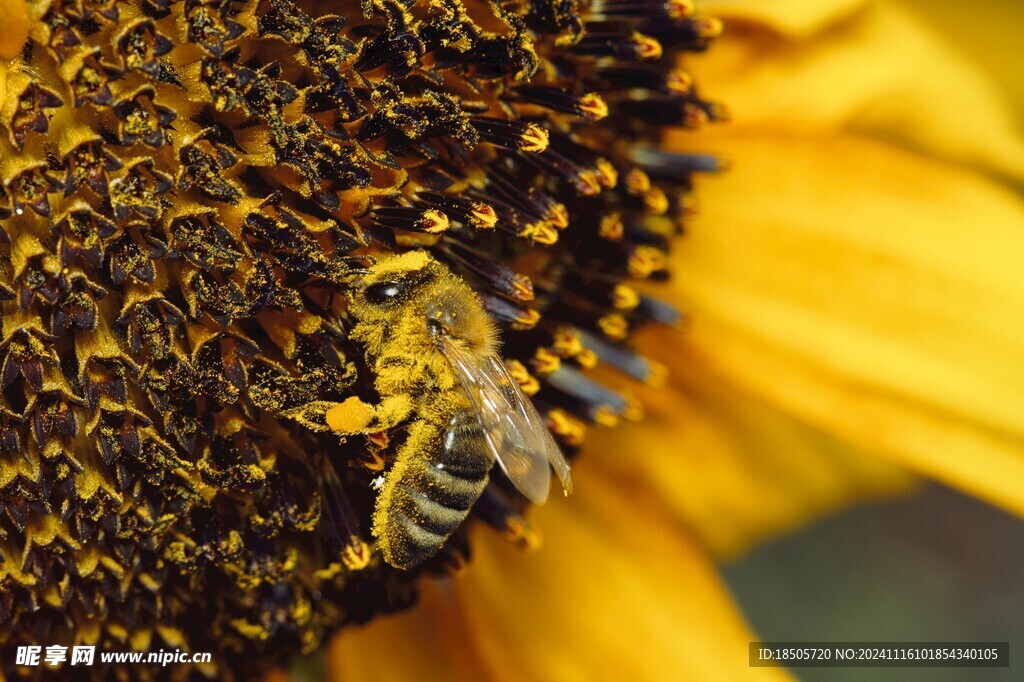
(790, 17)
(877, 69)
(618, 593)
(772, 473)
(872, 293)
(15, 29)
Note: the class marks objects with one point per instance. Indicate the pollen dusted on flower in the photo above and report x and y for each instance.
(187, 188)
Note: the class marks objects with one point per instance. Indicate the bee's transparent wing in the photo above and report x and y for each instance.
(516, 434)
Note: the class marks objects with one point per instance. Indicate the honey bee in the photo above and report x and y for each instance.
(434, 351)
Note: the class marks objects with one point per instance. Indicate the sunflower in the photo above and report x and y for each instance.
(853, 298)
(200, 436)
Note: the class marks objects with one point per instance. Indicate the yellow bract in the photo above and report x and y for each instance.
(15, 30)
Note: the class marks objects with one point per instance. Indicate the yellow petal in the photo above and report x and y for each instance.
(878, 70)
(735, 469)
(616, 593)
(791, 17)
(872, 293)
(15, 28)
(988, 31)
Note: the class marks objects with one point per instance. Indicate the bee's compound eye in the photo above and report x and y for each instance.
(382, 292)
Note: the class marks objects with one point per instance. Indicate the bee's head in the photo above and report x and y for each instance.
(391, 283)
(415, 293)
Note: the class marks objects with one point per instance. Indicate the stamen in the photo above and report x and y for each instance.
(499, 278)
(642, 9)
(656, 201)
(431, 221)
(590, 105)
(603, 170)
(567, 342)
(540, 233)
(658, 310)
(508, 314)
(645, 260)
(532, 202)
(672, 166)
(610, 227)
(583, 180)
(653, 77)
(578, 385)
(566, 428)
(526, 381)
(625, 297)
(528, 137)
(545, 361)
(634, 46)
(498, 513)
(476, 213)
(625, 360)
(340, 523)
(614, 326)
(664, 111)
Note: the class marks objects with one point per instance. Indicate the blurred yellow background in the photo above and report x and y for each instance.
(990, 31)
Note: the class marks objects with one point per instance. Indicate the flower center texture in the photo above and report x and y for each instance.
(189, 193)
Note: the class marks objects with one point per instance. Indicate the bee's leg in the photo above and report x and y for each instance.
(355, 416)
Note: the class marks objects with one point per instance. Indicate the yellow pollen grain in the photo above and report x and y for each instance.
(589, 185)
(356, 555)
(434, 221)
(568, 428)
(587, 359)
(646, 260)
(567, 343)
(607, 175)
(545, 361)
(483, 216)
(614, 326)
(625, 297)
(688, 206)
(349, 416)
(558, 215)
(526, 319)
(708, 27)
(679, 9)
(605, 416)
(657, 374)
(720, 112)
(638, 182)
(407, 262)
(694, 117)
(610, 227)
(634, 410)
(592, 106)
(656, 202)
(647, 47)
(526, 381)
(541, 233)
(534, 139)
(522, 289)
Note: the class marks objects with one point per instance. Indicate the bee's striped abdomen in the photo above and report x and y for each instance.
(438, 475)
